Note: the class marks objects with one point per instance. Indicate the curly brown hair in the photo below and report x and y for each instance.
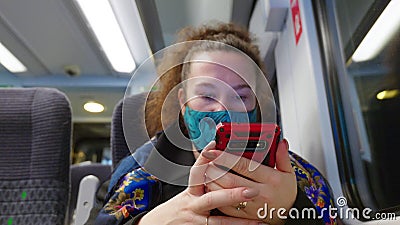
(170, 68)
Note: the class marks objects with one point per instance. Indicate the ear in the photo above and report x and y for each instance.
(181, 98)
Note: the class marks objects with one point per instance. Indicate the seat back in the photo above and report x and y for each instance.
(35, 142)
(134, 121)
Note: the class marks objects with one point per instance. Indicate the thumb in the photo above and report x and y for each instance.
(282, 157)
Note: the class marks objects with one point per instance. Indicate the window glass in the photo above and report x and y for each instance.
(370, 93)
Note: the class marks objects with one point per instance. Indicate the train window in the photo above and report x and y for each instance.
(360, 42)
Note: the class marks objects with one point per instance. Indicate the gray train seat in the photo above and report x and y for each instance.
(134, 120)
(35, 143)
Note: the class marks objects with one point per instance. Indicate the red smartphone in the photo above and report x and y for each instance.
(256, 141)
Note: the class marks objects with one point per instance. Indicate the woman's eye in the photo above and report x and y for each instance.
(241, 97)
(208, 98)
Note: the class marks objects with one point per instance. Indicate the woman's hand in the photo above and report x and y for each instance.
(277, 187)
(193, 205)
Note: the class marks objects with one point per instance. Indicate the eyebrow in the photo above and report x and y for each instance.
(236, 87)
(241, 86)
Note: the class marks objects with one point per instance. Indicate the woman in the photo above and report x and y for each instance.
(204, 83)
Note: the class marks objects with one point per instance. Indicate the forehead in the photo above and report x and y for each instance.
(230, 67)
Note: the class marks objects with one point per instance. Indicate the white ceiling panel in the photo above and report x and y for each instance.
(49, 31)
(176, 14)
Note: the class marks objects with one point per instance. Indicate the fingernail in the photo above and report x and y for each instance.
(209, 144)
(286, 143)
(250, 192)
(209, 155)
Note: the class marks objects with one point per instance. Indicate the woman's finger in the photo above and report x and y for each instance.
(282, 157)
(241, 165)
(220, 220)
(198, 170)
(224, 197)
(226, 179)
(212, 186)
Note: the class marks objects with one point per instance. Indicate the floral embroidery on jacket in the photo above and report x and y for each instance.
(133, 195)
(313, 183)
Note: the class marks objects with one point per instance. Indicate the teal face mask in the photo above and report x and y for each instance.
(202, 125)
